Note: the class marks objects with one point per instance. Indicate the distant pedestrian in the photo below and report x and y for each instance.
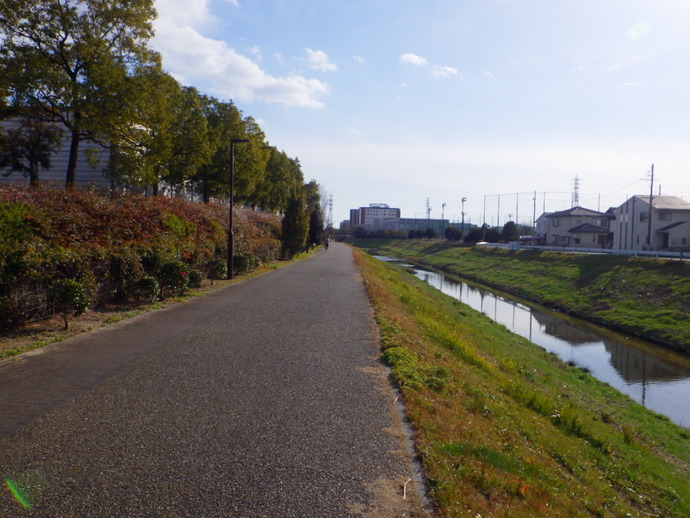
(325, 243)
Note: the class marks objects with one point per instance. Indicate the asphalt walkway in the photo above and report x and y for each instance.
(264, 399)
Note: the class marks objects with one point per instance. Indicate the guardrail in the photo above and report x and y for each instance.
(658, 254)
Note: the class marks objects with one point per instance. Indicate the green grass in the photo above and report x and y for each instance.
(649, 298)
(504, 428)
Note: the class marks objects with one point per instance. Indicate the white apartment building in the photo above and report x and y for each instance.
(377, 216)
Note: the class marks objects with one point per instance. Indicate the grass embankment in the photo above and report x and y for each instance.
(506, 429)
(648, 298)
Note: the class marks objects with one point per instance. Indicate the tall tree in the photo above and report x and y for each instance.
(510, 232)
(295, 225)
(67, 61)
(189, 133)
(282, 177)
(142, 148)
(250, 161)
(313, 207)
(224, 123)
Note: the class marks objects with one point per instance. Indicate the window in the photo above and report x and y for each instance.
(664, 216)
(643, 217)
(554, 222)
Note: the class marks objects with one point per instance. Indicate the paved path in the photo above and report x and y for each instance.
(264, 399)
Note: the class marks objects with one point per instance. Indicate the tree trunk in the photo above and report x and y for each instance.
(33, 174)
(72, 163)
(205, 190)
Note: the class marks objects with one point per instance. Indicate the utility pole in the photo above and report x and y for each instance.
(498, 213)
(484, 222)
(534, 219)
(649, 216)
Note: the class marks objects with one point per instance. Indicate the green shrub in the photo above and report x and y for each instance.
(10, 318)
(68, 298)
(145, 289)
(151, 260)
(16, 227)
(217, 269)
(195, 278)
(124, 265)
(173, 278)
(245, 262)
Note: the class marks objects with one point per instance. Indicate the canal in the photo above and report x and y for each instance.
(652, 376)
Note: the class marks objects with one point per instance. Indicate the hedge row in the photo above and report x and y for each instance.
(117, 249)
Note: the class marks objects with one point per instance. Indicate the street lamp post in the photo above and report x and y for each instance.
(231, 237)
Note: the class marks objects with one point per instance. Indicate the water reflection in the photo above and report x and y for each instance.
(654, 378)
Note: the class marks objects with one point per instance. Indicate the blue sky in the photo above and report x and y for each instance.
(400, 101)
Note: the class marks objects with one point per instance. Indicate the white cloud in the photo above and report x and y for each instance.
(183, 12)
(358, 59)
(413, 59)
(318, 60)
(218, 69)
(443, 71)
(419, 61)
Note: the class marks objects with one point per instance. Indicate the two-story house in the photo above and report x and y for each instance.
(578, 227)
(662, 225)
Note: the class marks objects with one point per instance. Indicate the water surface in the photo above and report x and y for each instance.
(652, 376)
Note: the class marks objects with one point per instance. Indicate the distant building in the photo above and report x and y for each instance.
(85, 174)
(375, 217)
(379, 217)
(439, 226)
(578, 227)
(665, 225)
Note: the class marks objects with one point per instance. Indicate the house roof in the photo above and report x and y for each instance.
(588, 228)
(577, 211)
(666, 202)
(670, 227)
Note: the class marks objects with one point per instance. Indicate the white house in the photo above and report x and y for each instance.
(663, 225)
(578, 227)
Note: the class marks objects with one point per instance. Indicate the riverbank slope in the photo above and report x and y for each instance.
(505, 429)
(648, 298)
